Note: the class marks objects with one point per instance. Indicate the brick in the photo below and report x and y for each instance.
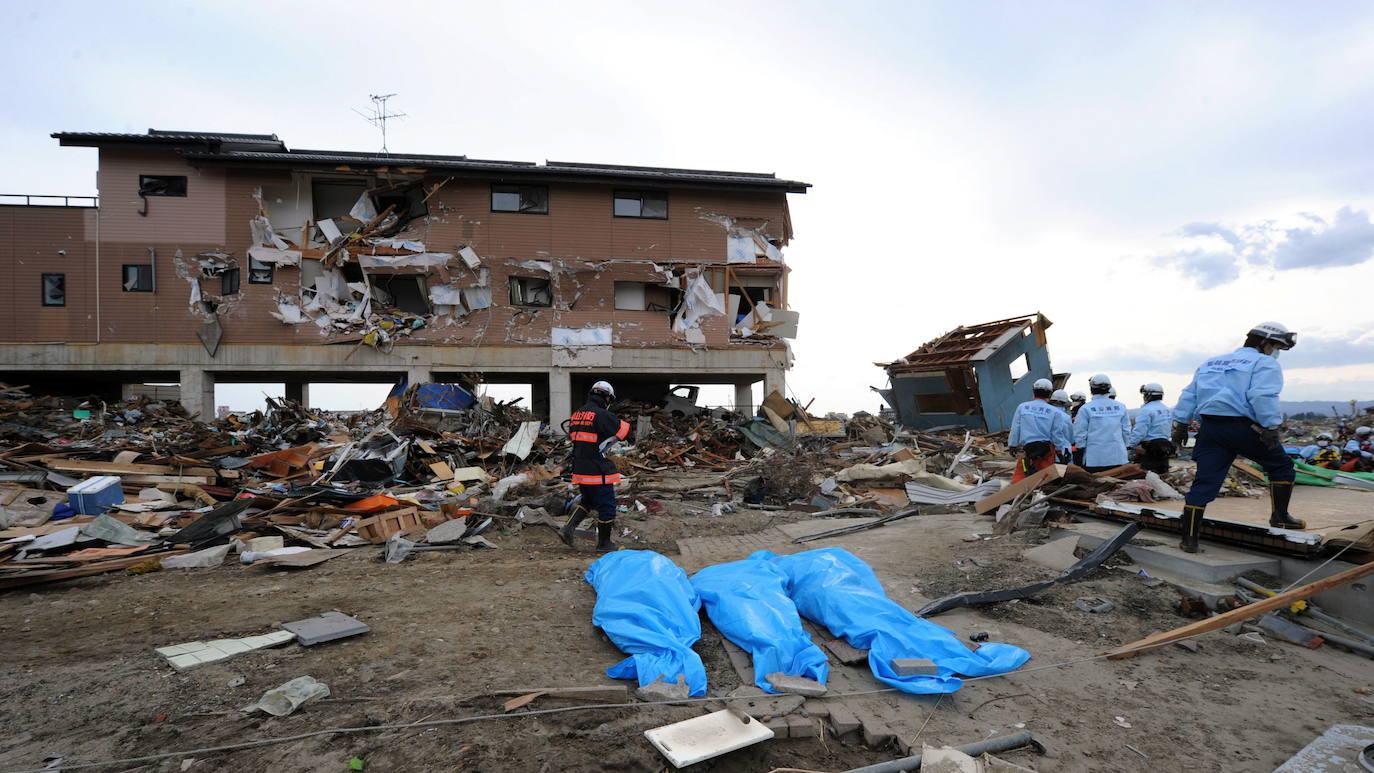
(796, 685)
(816, 708)
(877, 735)
(801, 727)
(780, 726)
(914, 667)
(842, 720)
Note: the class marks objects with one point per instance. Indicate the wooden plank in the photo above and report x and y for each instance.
(32, 578)
(1249, 471)
(153, 480)
(1157, 640)
(114, 468)
(1030, 483)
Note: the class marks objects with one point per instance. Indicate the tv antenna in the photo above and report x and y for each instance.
(379, 116)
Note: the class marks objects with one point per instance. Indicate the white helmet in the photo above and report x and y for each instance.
(1060, 397)
(1042, 385)
(1101, 379)
(1078, 397)
(1363, 431)
(1275, 332)
(604, 387)
(1112, 393)
(1152, 388)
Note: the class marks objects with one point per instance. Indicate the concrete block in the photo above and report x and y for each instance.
(842, 720)
(762, 704)
(1057, 555)
(229, 646)
(663, 691)
(914, 667)
(180, 649)
(1216, 564)
(796, 685)
(878, 735)
(780, 726)
(326, 627)
(846, 654)
(801, 727)
(816, 708)
(183, 662)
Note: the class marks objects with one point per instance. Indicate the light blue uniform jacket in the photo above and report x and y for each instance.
(1153, 420)
(1242, 383)
(1102, 427)
(1038, 420)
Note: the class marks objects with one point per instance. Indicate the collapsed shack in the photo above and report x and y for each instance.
(973, 376)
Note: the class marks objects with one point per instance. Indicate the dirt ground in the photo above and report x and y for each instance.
(79, 677)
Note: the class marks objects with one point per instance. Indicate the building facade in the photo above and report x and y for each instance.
(213, 258)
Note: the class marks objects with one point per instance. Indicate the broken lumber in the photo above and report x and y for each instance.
(114, 468)
(1157, 640)
(1029, 483)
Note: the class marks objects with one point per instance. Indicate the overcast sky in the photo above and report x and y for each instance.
(1154, 177)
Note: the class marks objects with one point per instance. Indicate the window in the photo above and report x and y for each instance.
(629, 296)
(138, 278)
(526, 199)
(54, 289)
(161, 185)
(1020, 367)
(333, 199)
(529, 291)
(229, 282)
(259, 273)
(646, 204)
(405, 292)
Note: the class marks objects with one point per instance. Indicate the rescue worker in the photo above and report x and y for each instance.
(1151, 432)
(1358, 454)
(1060, 399)
(1039, 430)
(593, 430)
(1102, 428)
(1322, 453)
(1078, 400)
(1235, 398)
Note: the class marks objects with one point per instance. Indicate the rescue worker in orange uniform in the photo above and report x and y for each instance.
(594, 430)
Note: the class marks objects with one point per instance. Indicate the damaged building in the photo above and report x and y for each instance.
(218, 258)
(973, 376)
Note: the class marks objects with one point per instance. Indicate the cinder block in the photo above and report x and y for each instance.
(842, 720)
(914, 667)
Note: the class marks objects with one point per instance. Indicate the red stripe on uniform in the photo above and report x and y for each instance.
(589, 437)
(624, 430)
(596, 480)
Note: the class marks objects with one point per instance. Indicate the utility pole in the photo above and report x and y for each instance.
(379, 116)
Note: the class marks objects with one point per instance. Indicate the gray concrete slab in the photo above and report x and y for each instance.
(1214, 564)
(326, 627)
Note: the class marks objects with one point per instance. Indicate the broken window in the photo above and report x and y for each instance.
(408, 202)
(530, 291)
(54, 289)
(629, 296)
(645, 204)
(161, 185)
(259, 273)
(138, 278)
(1020, 367)
(405, 292)
(229, 282)
(526, 199)
(334, 198)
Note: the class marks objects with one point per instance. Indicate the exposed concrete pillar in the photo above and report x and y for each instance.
(198, 392)
(744, 397)
(418, 374)
(560, 396)
(775, 380)
(298, 392)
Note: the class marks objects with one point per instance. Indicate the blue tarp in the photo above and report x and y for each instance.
(838, 590)
(646, 605)
(747, 600)
(449, 397)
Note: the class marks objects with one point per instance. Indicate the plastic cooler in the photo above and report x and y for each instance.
(94, 496)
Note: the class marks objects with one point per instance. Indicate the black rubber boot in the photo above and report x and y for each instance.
(1280, 494)
(603, 535)
(579, 515)
(1192, 525)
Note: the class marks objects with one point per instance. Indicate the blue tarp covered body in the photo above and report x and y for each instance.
(646, 605)
(747, 600)
(449, 397)
(838, 590)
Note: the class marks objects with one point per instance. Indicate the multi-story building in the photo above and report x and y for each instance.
(215, 258)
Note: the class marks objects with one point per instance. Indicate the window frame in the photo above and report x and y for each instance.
(517, 190)
(124, 278)
(43, 289)
(225, 281)
(143, 191)
(257, 266)
(510, 292)
(638, 195)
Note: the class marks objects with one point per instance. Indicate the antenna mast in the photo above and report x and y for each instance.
(379, 115)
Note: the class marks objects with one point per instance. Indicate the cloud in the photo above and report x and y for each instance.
(1213, 253)
(1311, 352)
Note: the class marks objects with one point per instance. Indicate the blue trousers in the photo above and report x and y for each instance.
(601, 499)
(1219, 442)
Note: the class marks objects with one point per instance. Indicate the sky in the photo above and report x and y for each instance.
(1155, 178)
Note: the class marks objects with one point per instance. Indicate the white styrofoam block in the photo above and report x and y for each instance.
(701, 738)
